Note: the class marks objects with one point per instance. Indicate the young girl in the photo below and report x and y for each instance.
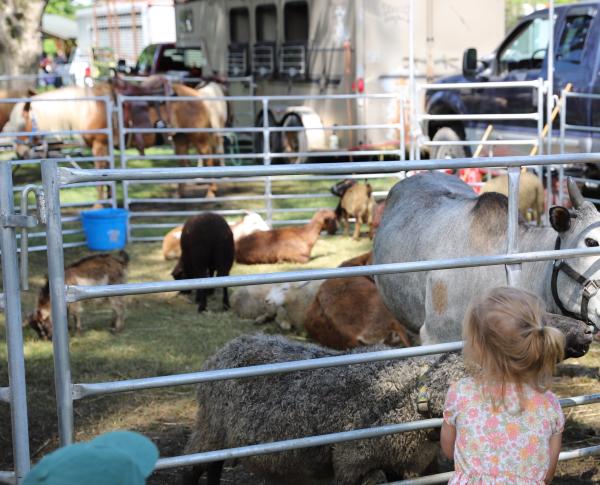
(501, 425)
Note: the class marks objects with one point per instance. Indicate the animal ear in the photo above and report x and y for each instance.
(31, 92)
(560, 218)
(27, 107)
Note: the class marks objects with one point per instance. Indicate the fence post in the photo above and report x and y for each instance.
(267, 160)
(14, 330)
(111, 148)
(56, 278)
(561, 168)
(513, 271)
(122, 155)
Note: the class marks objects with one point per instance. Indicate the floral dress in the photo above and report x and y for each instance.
(506, 447)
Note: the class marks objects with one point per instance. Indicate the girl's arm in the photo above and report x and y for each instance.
(448, 437)
(555, 442)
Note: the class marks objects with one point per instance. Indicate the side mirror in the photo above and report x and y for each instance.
(469, 66)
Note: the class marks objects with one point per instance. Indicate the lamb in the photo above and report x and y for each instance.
(285, 303)
(98, 269)
(251, 222)
(531, 193)
(240, 412)
(358, 202)
(293, 244)
(348, 312)
(207, 248)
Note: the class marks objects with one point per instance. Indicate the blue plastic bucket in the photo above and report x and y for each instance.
(105, 229)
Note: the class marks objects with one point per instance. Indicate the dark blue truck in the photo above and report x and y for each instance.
(522, 56)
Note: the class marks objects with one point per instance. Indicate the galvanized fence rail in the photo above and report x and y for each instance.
(266, 156)
(75, 230)
(15, 393)
(537, 86)
(54, 178)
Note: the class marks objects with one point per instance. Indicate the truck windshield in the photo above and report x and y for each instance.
(527, 48)
(179, 59)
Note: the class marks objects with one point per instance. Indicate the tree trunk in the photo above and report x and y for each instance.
(20, 36)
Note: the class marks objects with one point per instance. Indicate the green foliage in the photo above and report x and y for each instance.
(66, 8)
(515, 9)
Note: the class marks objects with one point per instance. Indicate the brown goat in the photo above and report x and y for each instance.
(348, 312)
(358, 202)
(292, 244)
(98, 269)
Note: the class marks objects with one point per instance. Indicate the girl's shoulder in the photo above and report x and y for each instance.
(466, 385)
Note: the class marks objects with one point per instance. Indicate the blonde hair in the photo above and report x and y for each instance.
(508, 342)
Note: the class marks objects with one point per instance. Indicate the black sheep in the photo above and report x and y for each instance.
(207, 249)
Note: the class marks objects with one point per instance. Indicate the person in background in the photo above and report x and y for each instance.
(501, 425)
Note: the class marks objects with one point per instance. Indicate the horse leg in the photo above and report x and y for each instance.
(206, 146)
(182, 147)
(100, 149)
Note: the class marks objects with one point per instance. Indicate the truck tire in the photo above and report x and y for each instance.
(447, 151)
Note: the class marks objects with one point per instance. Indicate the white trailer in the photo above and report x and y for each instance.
(125, 27)
(309, 47)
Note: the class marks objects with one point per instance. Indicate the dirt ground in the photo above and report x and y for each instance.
(165, 335)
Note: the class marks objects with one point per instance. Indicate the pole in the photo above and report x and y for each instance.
(56, 278)
(411, 80)
(14, 330)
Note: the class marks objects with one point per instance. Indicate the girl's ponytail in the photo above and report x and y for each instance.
(552, 351)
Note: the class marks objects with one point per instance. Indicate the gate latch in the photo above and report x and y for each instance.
(20, 221)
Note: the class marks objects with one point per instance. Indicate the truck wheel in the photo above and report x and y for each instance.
(447, 151)
(294, 141)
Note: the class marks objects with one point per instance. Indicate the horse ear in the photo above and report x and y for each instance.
(560, 219)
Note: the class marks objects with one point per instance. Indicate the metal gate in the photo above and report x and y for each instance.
(54, 178)
(15, 394)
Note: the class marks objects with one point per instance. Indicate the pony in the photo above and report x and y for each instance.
(45, 112)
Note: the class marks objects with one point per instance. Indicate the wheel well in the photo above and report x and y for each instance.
(434, 125)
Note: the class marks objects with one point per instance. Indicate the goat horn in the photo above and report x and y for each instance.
(574, 193)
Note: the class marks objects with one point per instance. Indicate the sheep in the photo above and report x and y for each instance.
(292, 244)
(358, 202)
(285, 303)
(348, 312)
(207, 248)
(531, 193)
(97, 269)
(233, 413)
(251, 222)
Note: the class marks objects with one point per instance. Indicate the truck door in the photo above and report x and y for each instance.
(575, 63)
(520, 58)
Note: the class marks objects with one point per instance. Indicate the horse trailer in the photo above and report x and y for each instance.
(334, 47)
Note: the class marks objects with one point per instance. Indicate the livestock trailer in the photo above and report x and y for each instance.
(328, 47)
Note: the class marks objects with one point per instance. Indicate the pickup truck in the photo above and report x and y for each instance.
(169, 59)
(522, 56)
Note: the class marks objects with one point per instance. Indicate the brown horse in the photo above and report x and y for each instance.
(6, 108)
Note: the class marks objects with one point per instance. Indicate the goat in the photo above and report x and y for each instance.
(98, 269)
(348, 312)
(251, 222)
(357, 201)
(292, 244)
(207, 248)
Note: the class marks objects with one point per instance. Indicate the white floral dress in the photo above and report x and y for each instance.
(507, 447)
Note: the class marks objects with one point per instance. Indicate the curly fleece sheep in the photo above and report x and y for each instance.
(241, 412)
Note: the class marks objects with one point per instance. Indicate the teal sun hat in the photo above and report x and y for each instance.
(116, 458)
